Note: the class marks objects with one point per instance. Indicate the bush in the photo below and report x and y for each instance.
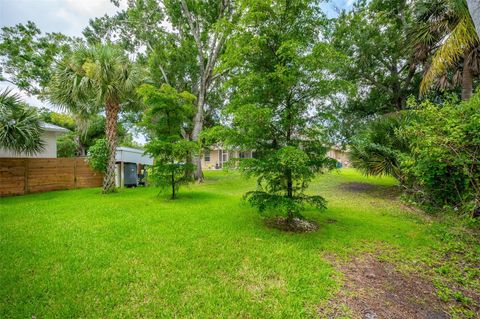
(445, 153)
(66, 145)
(376, 150)
(98, 155)
(433, 150)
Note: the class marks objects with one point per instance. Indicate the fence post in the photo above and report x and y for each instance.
(75, 172)
(25, 176)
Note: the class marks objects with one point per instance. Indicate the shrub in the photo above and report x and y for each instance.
(445, 153)
(98, 155)
(66, 145)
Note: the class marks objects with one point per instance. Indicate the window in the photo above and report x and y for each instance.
(206, 156)
(224, 156)
(245, 155)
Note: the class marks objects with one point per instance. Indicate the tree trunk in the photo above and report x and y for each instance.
(289, 194)
(112, 108)
(474, 9)
(173, 186)
(197, 128)
(467, 81)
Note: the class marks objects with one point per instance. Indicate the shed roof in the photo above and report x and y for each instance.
(53, 128)
(132, 155)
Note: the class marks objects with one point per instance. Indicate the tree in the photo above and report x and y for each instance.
(446, 26)
(93, 78)
(280, 72)
(85, 130)
(383, 70)
(66, 145)
(20, 129)
(168, 113)
(184, 57)
(27, 56)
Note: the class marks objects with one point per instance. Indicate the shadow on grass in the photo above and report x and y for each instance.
(187, 195)
(379, 191)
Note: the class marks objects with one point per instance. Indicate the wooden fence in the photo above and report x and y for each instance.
(20, 176)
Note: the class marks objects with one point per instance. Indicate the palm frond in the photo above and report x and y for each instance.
(462, 38)
(20, 129)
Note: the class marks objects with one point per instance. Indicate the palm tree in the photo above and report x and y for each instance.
(94, 79)
(20, 129)
(378, 147)
(446, 27)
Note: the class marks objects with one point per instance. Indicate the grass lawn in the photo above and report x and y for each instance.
(206, 255)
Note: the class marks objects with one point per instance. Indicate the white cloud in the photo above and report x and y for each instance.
(66, 16)
(89, 8)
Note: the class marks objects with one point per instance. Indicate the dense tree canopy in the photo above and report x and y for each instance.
(27, 56)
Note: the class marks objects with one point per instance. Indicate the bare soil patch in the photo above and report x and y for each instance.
(296, 225)
(374, 289)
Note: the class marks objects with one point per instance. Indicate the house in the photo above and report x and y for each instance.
(215, 157)
(130, 167)
(342, 156)
(49, 137)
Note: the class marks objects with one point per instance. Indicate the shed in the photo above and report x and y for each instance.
(130, 166)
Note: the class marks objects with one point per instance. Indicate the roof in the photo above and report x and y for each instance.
(53, 128)
(132, 155)
(130, 149)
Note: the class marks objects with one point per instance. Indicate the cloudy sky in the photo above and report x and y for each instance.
(71, 16)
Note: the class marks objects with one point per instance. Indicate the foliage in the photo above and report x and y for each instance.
(445, 26)
(170, 169)
(279, 74)
(28, 56)
(20, 128)
(60, 119)
(445, 154)
(377, 148)
(432, 150)
(98, 155)
(185, 55)
(66, 145)
(381, 66)
(96, 78)
(168, 115)
(85, 129)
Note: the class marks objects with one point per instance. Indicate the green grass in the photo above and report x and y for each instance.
(206, 255)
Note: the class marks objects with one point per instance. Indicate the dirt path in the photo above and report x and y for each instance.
(373, 289)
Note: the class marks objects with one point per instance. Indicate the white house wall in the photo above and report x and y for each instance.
(50, 140)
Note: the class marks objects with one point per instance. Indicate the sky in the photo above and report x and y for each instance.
(71, 17)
